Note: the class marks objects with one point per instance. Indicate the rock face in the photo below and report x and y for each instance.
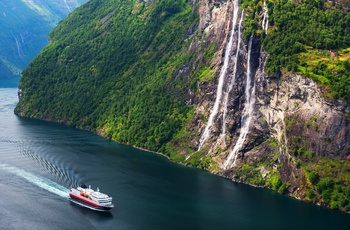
(246, 119)
(320, 125)
(233, 84)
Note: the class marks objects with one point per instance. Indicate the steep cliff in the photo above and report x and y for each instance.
(224, 85)
(273, 130)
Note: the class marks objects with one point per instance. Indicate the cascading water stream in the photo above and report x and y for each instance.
(265, 21)
(205, 135)
(233, 79)
(247, 111)
(65, 2)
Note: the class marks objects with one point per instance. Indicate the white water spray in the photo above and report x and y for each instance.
(233, 79)
(247, 111)
(205, 135)
(41, 182)
(265, 21)
(19, 47)
(65, 2)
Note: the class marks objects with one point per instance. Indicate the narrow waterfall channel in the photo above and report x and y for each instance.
(265, 21)
(247, 111)
(65, 2)
(233, 79)
(205, 135)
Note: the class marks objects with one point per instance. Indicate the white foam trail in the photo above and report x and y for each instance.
(233, 79)
(247, 111)
(41, 182)
(207, 130)
(265, 21)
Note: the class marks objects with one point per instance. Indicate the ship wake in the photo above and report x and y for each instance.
(39, 181)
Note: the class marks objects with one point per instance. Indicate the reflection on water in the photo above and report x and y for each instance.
(95, 214)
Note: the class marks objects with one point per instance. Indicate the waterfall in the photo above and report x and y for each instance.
(233, 79)
(19, 47)
(247, 111)
(265, 21)
(205, 135)
(65, 2)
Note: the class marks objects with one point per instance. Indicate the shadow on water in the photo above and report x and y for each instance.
(93, 213)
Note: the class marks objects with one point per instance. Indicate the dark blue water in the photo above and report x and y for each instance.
(11, 82)
(39, 161)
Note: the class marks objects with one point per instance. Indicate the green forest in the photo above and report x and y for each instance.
(299, 34)
(299, 30)
(110, 68)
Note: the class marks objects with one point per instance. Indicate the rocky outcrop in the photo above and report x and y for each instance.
(310, 122)
(290, 115)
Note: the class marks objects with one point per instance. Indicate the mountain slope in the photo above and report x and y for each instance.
(24, 28)
(124, 80)
(239, 88)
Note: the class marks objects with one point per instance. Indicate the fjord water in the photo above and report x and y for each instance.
(39, 161)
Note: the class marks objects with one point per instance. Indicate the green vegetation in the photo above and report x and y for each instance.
(307, 37)
(251, 20)
(252, 175)
(298, 31)
(313, 177)
(328, 179)
(329, 182)
(276, 184)
(331, 68)
(200, 160)
(112, 67)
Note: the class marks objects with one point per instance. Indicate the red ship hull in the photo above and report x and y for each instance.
(90, 204)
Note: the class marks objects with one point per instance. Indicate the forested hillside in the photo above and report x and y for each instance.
(110, 68)
(303, 38)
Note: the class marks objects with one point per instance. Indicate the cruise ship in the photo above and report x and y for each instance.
(87, 197)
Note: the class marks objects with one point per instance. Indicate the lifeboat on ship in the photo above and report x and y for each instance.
(87, 197)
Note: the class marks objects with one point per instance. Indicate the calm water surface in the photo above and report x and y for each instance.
(39, 161)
